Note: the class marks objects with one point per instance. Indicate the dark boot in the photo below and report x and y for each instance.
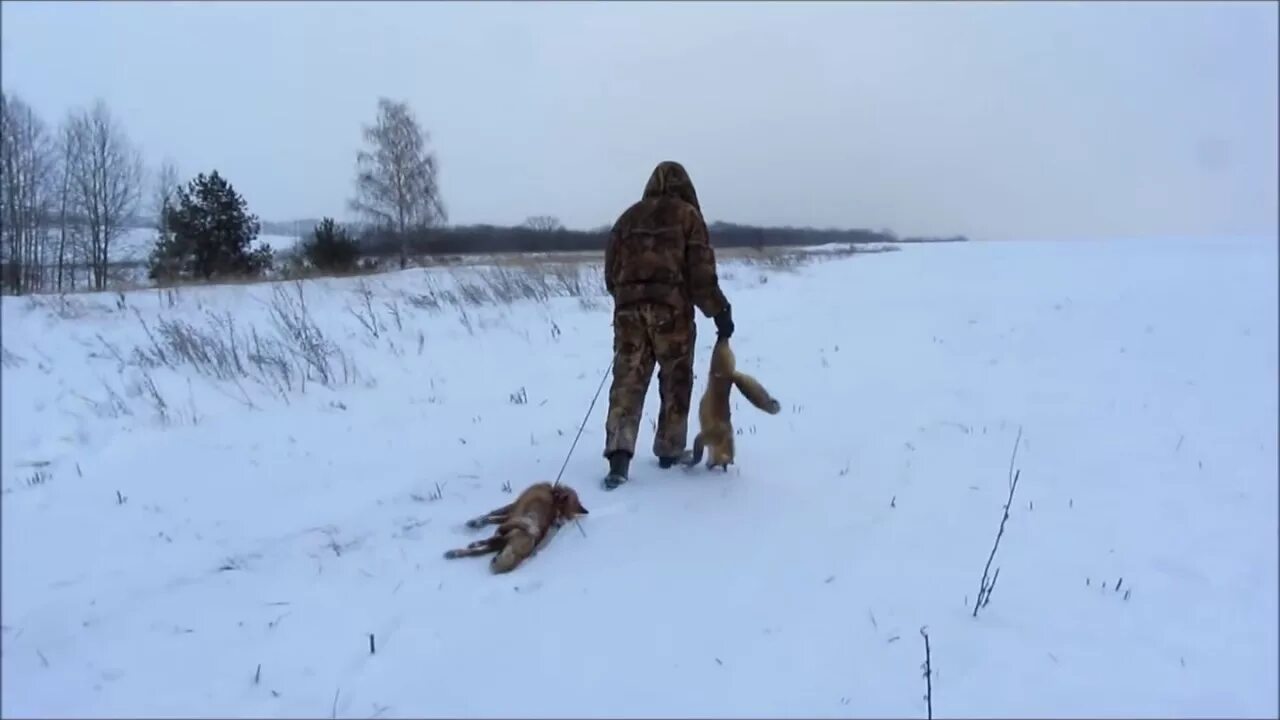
(666, 462)
(619, 463)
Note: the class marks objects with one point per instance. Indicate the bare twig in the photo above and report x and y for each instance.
(157, 399)
(1013, 456)
(394, 309)
(985, 587)
(438, 493)
(990, 588)
(371, 324)
(928, 672)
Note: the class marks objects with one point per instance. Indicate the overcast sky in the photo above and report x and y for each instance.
(1000, 121)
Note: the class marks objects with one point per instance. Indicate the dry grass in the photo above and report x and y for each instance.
(494, 285)
(285, 358)
(783, 259)
(288, 350)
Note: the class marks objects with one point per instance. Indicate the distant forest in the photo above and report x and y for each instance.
(468, 239)
(73, 194)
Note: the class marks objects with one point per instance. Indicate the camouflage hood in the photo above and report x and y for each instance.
(670, 178)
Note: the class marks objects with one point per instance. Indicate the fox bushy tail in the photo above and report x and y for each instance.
(755, 393)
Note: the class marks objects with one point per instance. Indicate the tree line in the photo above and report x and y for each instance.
(68, 195)
(530, 237)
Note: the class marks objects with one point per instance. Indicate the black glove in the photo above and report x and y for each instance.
(724, 323)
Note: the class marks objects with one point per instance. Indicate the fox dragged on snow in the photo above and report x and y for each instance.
(523, 525)
(716, 431)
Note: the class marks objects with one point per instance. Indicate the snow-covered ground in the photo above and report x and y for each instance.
(191, 528)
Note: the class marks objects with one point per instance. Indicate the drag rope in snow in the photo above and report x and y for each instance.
(584, 422)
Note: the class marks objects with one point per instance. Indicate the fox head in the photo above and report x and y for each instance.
(567, 502)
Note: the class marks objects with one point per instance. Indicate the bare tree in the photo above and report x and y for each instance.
(67, 237)
(543, 223)
(72, 244)
(26, 172)
(396, 184)
(106, 181)
(163, 192)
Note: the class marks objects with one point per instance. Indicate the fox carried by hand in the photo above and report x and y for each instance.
(716, 431)
(523, 525)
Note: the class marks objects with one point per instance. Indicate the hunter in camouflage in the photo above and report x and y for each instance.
(658, 267)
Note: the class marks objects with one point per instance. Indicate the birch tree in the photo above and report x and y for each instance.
(106, 182)
(26, 173)
(72, 236)
(162, 199)
(396, 175)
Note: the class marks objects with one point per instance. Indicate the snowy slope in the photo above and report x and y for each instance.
(268, 528)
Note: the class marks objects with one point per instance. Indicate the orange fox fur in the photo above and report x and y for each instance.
(716, 431)
(523, 525)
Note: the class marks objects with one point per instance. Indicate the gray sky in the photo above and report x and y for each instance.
(1000, 121)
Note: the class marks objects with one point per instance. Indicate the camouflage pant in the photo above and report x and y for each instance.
(642, 335)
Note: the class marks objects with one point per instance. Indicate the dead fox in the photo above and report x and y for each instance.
(522, 525)
(716, 431)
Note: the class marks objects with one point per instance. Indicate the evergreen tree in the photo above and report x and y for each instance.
(331, 248)
(210, 234)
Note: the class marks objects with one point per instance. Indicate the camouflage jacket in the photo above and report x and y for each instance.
(659, 251)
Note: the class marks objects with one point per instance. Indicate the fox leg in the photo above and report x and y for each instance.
(493, 517)
(722, 455)
(520, 545)
(479, 547)
(694, 456)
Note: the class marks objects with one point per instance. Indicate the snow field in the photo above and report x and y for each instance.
(267, 527)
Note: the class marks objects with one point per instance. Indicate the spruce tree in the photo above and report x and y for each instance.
(331, 248)
(211, 232)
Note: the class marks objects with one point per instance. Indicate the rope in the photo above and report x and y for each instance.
(586, 417)
(581, 427)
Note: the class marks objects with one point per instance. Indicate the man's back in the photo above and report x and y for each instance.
(658, 266)
(658, 249)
